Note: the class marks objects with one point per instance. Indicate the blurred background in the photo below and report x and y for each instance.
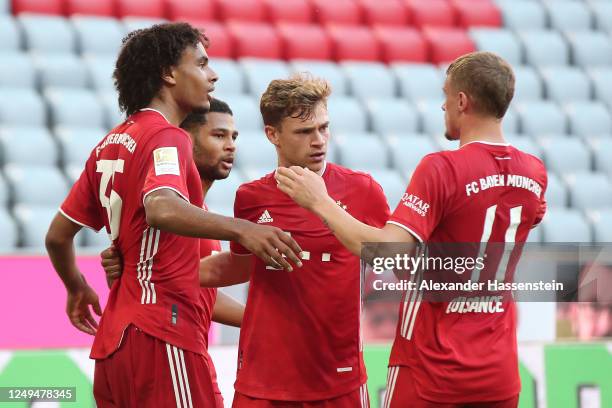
(386, 61)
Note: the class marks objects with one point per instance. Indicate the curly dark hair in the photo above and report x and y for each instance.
(145, 56)
(196, 119)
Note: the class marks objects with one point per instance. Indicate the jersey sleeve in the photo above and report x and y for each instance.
(239, 212)
(377, 209)
(167, 160)
(82, 205)
(422, 206)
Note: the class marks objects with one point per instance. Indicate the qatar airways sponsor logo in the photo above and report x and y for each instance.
(477, 304)
(415, 203)
(503, 180)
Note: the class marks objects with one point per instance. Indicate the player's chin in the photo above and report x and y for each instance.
(450, 136)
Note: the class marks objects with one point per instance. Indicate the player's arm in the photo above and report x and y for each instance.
(228, 310)
(225, 269)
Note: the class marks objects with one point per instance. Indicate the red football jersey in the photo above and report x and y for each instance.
(300, 338)
(482, 192)
(159, 290)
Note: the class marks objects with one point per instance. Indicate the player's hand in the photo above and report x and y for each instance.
(303, 185)
(272, 245)
(111, 262)
(79, 313)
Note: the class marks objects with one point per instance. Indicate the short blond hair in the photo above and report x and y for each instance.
(486, 78)
(295, 97)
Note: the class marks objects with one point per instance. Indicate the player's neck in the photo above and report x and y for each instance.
(284, 163)
(482, 130)
(206, 185)
(169, 109)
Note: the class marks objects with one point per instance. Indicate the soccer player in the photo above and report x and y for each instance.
(442, 358)
(300, 342)
(140, 182)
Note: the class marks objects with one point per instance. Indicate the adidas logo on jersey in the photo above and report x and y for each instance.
(265, 218)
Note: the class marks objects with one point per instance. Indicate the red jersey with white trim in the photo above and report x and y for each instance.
(481, 192)
(300, 337)
(159, 290)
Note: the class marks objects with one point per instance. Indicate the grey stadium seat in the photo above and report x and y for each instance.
(61, 70)
(565, 155)
(569, 15)
(5, 194)
(255, 151)
(37, 185)
(370, 80)
(137, 23)
(17, 70)
(362, 152)
(34, 221)
(602, 152)
(346, 115)
(601, 220)
(10, 38)
(24, 145)
(590, 48)
(250, 174)
(602, 83)
(565, 225)
(47, 34)
(110, 108)
(602, 10)
(556, 192)
(259, 73)
(540, 118)
(419, 82)
(246, 112)
(100, 70)
(524, 143)
(10, 233)
(510, 122)
(98, 35)
(523, 14)
(432, 117)
(223, 192)
(231, 78)
(589, 119)
(566, 84)
(528, 84)
(21, 107)
(96, 240)
(392, 184)
(392, 116)
(77, 143)
(545, 47)
(589, 191)
(500, 41)
(408, 150)
(323, 69)
(62, 107)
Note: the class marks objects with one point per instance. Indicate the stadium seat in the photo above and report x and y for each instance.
(432, 117)
(589, 191)
(47, 34)
(62, 103)
(223, 192)
(16, 70)
(565, 225)
(249, 37)
(556, 192)
(541, 118)
(569, 15)
(98, 35)
(21, 107)
(602, 11)
(10, 37)
(401, 44)
(100, 71)
(96, 240)
(77, 143)
(255, 151)
(220, 42)
(391, 116)
(329, 71)
(345, 12)
(243, 10)
(140, 8)
(588, 119)
(5, 194)
(470, 13)
(353, 43)
(602, 84)
(523, 14)
(407, 151)
(246, 112)
(566, 84)
(38, 6)
(500, 41)
(601, 221)
(185, 10)
(524, 144)
(590, 48)
(510, 122)
(231, 77)
(437, 13)
(419, 81)
(138, 23)
(386, 13)
(90, 8)
(34, 221)
(259, 73)
(602, 151)
(528, 84)
(37, 185)
(10, 233)
(347, 115)
(446, 44)
(110, 109)
(27, 145)
(392, 183)
(544, 47)
(304, 41)
(228, 211)
(292, 11)
(565, 155)
(369, 80)
(60, 70)
(361, 151)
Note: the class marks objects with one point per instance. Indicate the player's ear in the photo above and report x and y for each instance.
(271, 134)
(168, 76)
(462, 102)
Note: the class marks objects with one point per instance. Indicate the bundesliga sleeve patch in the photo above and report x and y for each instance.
(166, 161)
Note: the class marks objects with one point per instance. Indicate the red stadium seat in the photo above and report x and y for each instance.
(90, 8)
(295, 11)
(221, 45)
(384, 12)
(446, 44)
(337, 11)
(141, 8)
(472, 13)
(431, 13)
(355, 43)
(401, 44)
(258, 40)
(243, 10)
(182, 10)
(38, 6)
(304, 41)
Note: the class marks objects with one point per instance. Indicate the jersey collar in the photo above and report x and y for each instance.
(487, 143)
(155, 110)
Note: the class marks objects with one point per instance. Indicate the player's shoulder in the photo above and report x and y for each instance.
(336, 171)
(535, 160)
(255, 188)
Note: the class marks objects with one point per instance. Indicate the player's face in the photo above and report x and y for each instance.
(451, 111)
(214, 146)
(194, 80)
(302, 142)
